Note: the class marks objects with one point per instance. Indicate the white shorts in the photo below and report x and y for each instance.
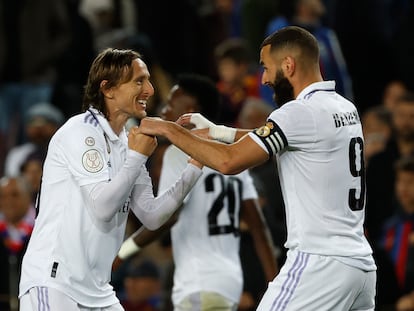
(319, 283)
(205, 301)
(50, 299)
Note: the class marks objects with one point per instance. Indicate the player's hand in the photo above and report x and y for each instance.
(152, 126)
(117, 263)
(198, 120)
(217, 132)
(141, 143)
(203, 133)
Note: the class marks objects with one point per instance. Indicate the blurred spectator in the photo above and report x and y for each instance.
(176, 33)
(111, 20)
(402, 49)
(377, 128)
(32, 170)
(17, 216)
(142, 285)
(370, 25)
(380, 175)
(254, 113)
(398, 234)
(33, 36)
(43, 120)
(308, 14)
(392, 91)
(255, 15)
(221, 20)
(73, 65)
(236, 81)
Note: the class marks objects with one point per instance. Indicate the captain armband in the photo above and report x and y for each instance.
(272, 137)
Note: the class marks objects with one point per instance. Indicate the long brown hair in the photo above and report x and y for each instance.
(113, 65)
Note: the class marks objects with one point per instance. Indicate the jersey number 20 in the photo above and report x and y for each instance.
(230, 189)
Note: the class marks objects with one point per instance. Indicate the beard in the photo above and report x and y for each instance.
(282, 89)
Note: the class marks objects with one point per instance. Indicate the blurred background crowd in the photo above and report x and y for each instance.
(47, 46)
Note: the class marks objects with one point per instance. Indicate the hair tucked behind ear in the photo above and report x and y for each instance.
(112, 65)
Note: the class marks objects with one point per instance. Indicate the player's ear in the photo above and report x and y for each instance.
(289, 65)
(106, 91)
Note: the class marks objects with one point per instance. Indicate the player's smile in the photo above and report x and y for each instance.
(142, 103)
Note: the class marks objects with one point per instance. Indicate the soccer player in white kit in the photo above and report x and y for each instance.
(206, 239)
(94, 174)
(316, 135)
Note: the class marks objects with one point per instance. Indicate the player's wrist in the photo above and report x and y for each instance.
(223, 133)
(128, 248)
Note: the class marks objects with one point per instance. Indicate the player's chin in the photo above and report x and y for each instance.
(140, 114)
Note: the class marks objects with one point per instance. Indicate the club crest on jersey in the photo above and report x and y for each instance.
(265, 130)
(89, 141)
(92, 161)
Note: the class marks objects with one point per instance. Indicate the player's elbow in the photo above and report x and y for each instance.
(229, 167)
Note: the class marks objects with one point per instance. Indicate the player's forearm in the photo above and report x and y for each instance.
(266, 253)
(213, 154)
(154, 212)
(143, 236)
(240, 133)
(262, 238)
(107, 198)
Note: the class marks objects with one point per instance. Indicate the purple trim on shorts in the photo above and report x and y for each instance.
(297, 280)
(294, 274)
(43, 299)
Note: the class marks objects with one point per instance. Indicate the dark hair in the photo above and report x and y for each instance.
(293, 37)
(113, 65)
(235, 49)
(405, 164)
(204, 91)
(382, 113)
(406, 97)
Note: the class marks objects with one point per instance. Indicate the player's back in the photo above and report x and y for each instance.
(322, 175)
(206, 238)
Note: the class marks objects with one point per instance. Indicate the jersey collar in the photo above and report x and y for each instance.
(104, 124)
(315, 87)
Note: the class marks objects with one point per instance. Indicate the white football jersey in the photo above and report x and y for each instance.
(319, 145)
(83, 151)
(205, 239)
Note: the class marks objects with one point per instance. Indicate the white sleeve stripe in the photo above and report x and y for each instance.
(279, 140)
(276, 142)
(271, 144)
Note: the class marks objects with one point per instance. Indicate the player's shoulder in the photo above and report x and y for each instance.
(82, 122)
(293, 109)
(80, 126)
